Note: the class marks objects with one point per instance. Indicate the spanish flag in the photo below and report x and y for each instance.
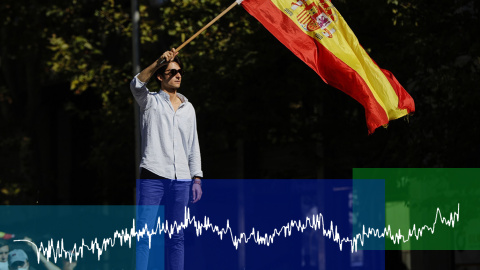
(316, 32)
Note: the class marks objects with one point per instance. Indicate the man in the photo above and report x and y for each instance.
(170, 154)
(4, 249)
(18, 259)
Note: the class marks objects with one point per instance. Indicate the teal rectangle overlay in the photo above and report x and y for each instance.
(368, 213)
(102, 237)
(430, 208)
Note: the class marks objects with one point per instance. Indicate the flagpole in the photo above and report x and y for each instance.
(208, 25)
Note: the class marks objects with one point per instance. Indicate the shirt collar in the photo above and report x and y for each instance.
(167, 97)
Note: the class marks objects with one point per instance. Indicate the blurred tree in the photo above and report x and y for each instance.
(66, 108)
(240, 76)
(67, 65)
(64, 78)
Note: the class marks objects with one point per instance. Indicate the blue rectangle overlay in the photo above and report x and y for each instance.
(238, 224)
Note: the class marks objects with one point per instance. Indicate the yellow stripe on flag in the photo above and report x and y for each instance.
(344, 45)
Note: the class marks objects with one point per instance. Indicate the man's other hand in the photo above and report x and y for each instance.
(196, 190)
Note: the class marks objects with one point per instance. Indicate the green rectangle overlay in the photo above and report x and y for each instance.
(429, 208)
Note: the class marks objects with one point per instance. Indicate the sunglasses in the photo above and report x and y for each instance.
(174, 72)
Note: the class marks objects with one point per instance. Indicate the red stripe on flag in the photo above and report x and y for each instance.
(303, 15)
(332, 70)
(405, 101)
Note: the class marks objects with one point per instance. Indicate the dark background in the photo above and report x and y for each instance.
(67, 114)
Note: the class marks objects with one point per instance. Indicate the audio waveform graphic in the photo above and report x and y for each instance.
(316, 222)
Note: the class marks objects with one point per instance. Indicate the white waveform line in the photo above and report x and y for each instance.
(316, 223)
(387, 232)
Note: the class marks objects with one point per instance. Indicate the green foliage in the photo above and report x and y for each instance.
(239, 75)
(58, 51)
(66, 65)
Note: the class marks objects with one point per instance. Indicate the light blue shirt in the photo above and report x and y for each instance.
(169, 138)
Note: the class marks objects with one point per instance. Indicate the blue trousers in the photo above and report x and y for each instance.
(175, 194)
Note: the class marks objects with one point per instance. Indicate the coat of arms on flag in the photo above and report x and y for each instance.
(313, 16)
(316, 32)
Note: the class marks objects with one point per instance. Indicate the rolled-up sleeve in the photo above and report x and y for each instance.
(140, 92)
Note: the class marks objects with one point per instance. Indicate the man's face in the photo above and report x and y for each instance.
(4, 253)
(169, 81)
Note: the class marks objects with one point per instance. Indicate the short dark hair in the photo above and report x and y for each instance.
(162, 69)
